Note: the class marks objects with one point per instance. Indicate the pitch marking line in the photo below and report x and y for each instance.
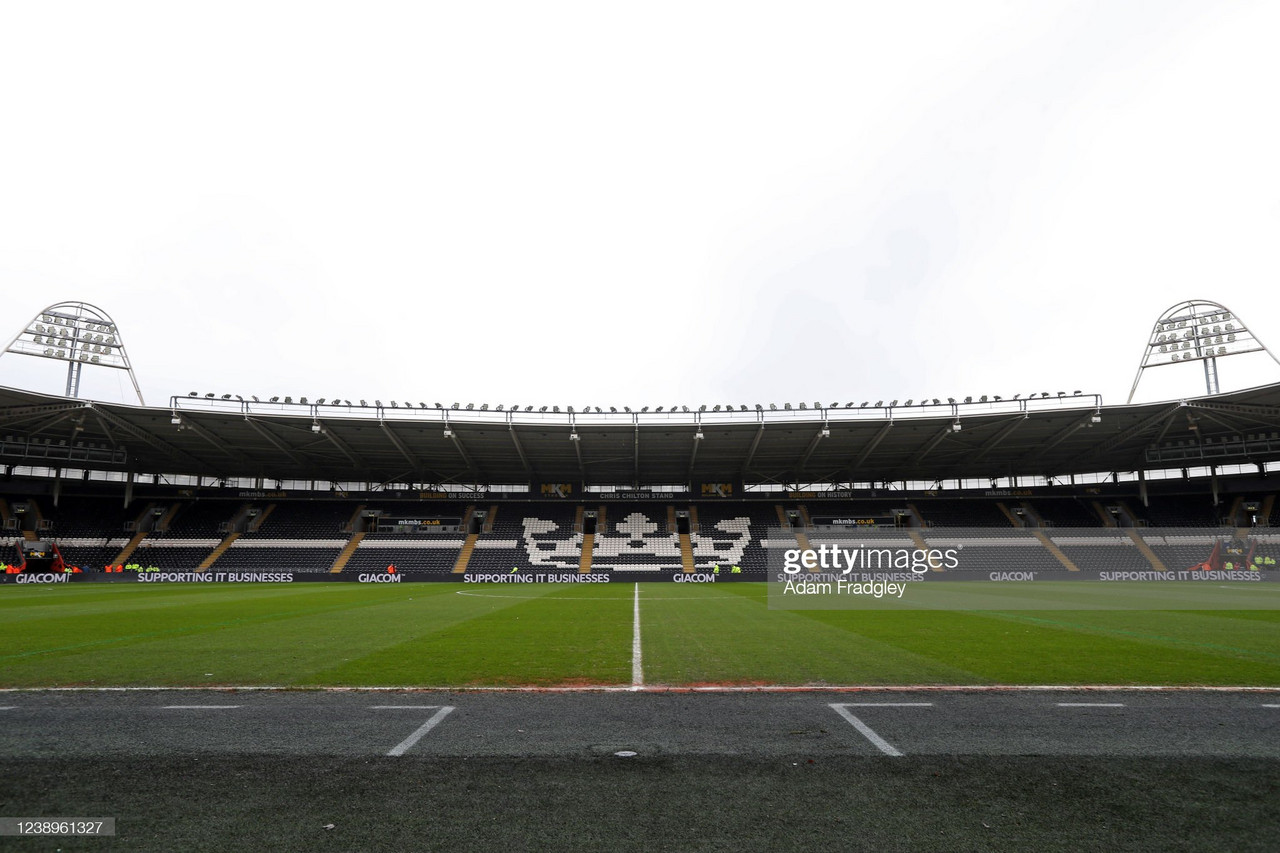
(887, 704)
(15, 707)
(637, 670)
(842, 708)
(1090, 704)
(405, 745)
(200, 707)
(1265, 706)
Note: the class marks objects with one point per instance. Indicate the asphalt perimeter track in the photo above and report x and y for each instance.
(484, 770)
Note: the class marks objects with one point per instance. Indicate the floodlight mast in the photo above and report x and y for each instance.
(79, 334)
(1197, 330)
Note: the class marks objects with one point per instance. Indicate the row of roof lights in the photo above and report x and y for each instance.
(484, 407)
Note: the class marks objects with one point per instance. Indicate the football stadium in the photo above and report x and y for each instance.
(990, 622)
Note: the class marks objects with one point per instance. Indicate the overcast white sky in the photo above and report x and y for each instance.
(651, 204)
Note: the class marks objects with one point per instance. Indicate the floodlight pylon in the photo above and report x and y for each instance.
(79, 334)
(1197, 330)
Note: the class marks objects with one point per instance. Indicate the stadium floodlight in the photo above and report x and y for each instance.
(659, 409)
(951, 401)
(455, 406)
(484, 407)
(742, 408)
(555, 409)
(69, 331)
(863, 405)
(569, 409)
(598, 410)
(955, 427)
(255, 399)
(716, 408)
(626, 409)
(802, 405)
(543, 409)
(315, 427)
(1096, 417)
(644, 409)
(968, 399)
(194, 394)
(773, 407)
(528, 408)
(1075, 393)
(499, 407)
(209, 396)
(698, 436)
(684, 409)
(894, 403)
(786, 406)
(1044, 394)
(394, 405)
(910, 402)
(438, 406)
(702, 408)
(226, 396)
(1016, 396)
(826, 433)
(470, 406)
(362, 402)
(448, 433)
(613, 409)
(935, 402)
(1062, 394)
(982, 399)
(848, 405)
(998, 398)
(573, 436)
(320, 402)
(175, 419)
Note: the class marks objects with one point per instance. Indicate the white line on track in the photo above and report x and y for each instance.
(637, 670)
(887, 704)
(865, 730)
(402, 707)
(405, 745)
(14, 707)
(1090, 704)
(199, 707)
(1265, 706)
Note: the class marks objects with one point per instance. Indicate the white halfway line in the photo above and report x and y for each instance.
(865, 730)
(637, 670)
(405, 745)
(398, 707)
(887, 704)
(1090, 704)
(199, 707)
(1265, 706)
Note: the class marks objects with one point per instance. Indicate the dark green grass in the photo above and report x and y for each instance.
(440, 635)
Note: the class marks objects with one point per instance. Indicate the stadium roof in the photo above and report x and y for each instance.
(1051, 436)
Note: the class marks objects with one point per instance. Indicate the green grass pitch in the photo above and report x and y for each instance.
(453, 635)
